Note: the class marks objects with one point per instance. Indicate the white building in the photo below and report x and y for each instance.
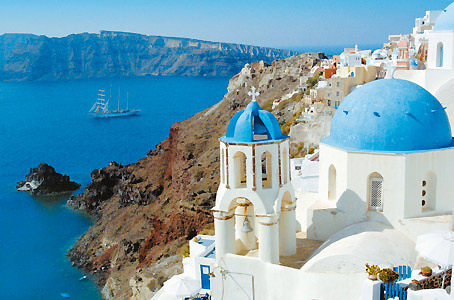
(385, 173)
(387, 159)
(438, 77)
(350, 57)
(379, 58)
(201, 260)
(423, 25)
(427, 22)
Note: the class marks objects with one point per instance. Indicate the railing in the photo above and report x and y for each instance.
(393, 289)
(404, 272)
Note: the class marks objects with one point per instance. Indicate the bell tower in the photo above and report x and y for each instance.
(255, 202)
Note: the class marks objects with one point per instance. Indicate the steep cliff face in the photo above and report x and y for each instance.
(114, 54)
(146, 211)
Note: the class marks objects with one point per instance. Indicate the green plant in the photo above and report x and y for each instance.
(268, 105)
(388, 275)
(184, 250)
(372, 270)
(426, 271)
(312, 81)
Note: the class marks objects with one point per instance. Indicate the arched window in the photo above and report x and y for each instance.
(240, 169)
(375, 182)
(266, 170)
(223, 166)
(429, 192)
(285, 162)
(332, 183)
(440, 55)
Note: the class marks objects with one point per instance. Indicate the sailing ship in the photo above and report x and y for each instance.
(101, 107)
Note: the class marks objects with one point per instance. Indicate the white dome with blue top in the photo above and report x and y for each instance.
(390, 115)
(446, 19)
(253, 125)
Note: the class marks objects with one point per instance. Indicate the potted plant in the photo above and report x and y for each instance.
(387, 275)
(426, 271)
(372, 271)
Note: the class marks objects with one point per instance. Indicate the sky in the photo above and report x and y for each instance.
(270, 23)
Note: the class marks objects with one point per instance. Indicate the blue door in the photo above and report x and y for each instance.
(205, 276)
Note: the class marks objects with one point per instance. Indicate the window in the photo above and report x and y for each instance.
(329, 102)
(428, 192)
(338, 84)
(266, 170)
(258, 136)
(440, 55)
(376, 192)
(240, 170)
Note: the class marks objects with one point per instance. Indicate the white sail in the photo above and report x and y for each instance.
(101, 107)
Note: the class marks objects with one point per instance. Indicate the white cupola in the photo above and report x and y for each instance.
(255, 201)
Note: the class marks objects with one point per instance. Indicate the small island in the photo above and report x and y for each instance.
(43, 180)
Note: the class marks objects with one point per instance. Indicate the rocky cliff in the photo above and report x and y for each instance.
(145, 212)
(114, 54)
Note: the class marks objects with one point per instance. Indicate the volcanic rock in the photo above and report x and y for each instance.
(44, 180)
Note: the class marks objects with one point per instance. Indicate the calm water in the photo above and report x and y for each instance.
(48, 122)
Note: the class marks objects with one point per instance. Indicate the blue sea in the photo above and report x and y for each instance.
(48, 122)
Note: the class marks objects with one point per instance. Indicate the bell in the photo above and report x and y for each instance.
(246, 226)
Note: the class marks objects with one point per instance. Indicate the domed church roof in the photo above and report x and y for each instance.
(446, 19)
(253, 125)
(390, 115)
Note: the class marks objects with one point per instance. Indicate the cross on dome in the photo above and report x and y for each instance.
(253, 93)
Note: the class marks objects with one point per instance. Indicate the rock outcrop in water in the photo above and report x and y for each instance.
(115, 54)
(147, 211)
(43, 180)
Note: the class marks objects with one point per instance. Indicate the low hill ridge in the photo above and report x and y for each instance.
(116, 54)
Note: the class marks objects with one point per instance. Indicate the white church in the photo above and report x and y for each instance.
(385, 176)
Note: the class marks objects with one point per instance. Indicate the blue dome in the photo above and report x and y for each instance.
(252, 125)
(390, 115)
(446, 19)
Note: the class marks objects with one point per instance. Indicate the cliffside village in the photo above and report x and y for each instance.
(378, 185)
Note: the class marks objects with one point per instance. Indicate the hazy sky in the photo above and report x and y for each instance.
(274, 23)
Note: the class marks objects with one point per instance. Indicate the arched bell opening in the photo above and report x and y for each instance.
(239, 169)
(245, 226)
(266, 170)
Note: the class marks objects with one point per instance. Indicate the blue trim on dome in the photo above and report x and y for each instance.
(390, 115)
(234, 141)
(446, 19)
(250, 122)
